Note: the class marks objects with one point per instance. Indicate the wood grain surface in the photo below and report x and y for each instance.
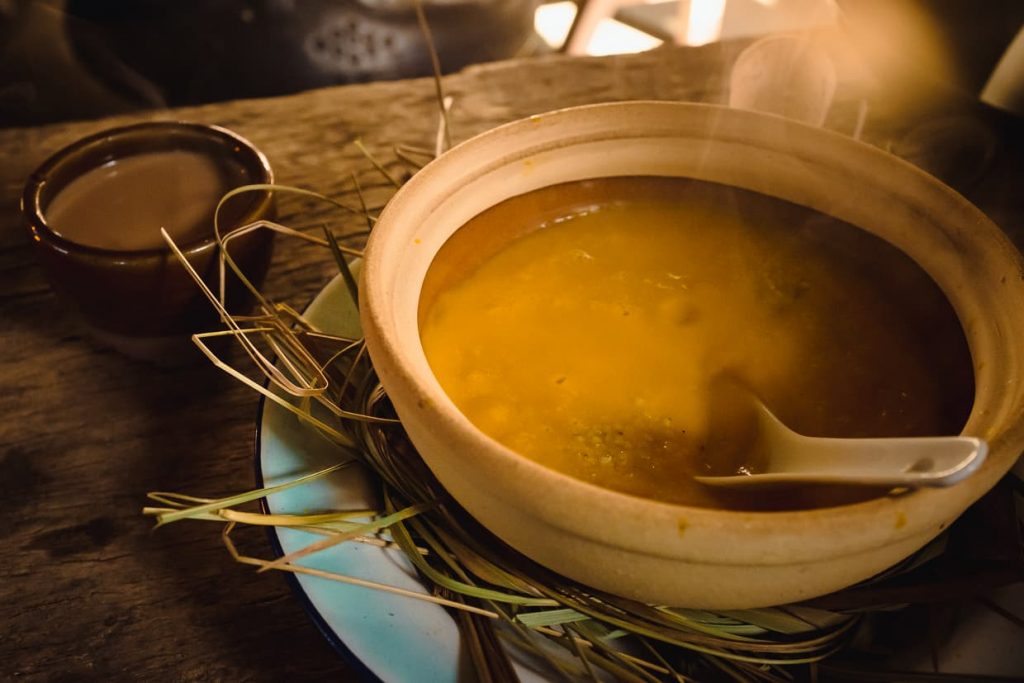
(87, 591)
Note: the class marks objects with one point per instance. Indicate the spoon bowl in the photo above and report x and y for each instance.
(784, 457)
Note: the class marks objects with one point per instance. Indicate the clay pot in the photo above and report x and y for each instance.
(673, 554)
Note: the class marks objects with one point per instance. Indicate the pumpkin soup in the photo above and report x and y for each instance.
(583, 324)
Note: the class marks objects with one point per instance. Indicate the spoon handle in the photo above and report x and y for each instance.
(910, 461)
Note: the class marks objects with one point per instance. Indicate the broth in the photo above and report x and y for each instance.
(582, 325)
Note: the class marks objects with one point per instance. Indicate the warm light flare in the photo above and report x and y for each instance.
(704, 24)
(552, 21)
(612, 37)
(609, 37)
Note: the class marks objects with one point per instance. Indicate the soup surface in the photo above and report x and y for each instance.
(123, 204)
(586, 325)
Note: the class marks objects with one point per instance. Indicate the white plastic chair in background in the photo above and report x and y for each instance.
(697, 22)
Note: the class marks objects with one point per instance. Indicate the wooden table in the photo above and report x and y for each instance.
(88, 592)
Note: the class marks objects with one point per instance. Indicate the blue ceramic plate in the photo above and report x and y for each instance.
(387, 637)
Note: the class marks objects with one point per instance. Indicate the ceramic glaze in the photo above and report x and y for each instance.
(94, 210)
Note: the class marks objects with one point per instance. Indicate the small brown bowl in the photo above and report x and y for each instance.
(143, 302)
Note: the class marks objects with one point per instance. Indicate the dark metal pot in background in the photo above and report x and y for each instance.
(190, 52)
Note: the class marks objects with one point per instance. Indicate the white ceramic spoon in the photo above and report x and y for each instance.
(785, 457)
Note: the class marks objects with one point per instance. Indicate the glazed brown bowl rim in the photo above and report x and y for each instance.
(31, 196)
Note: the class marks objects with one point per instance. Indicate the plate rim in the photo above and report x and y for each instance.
(334, 640)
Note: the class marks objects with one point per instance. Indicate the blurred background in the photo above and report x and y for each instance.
(73, 59)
